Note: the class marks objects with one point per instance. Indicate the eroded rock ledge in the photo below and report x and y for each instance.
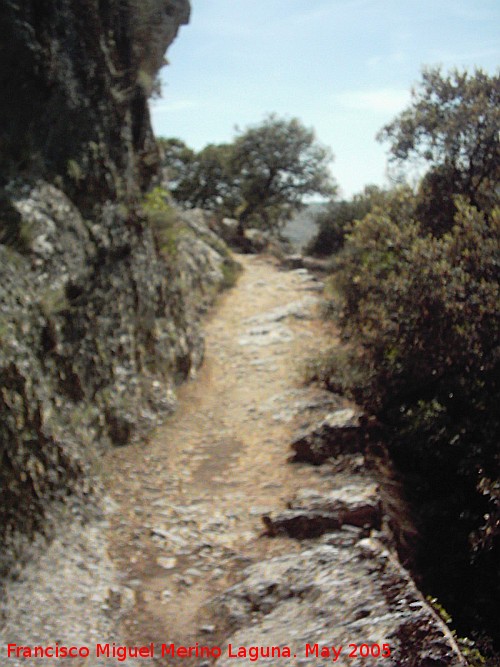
(345, 587)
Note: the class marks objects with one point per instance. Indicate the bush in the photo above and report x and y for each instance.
(424, 315)
(424, 309)
(230, 273)
(339, 369)
(338, 219)
(164, 220)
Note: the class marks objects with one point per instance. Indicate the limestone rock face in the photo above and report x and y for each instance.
(75, 79)
(98, 320)
(97, 327)
(336, 594)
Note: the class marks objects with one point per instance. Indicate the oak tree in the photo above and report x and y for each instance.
(452, 125)
(278, 163)
(260, 178)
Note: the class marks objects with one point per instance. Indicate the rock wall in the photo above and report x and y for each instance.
(98, 319)
(75, 78)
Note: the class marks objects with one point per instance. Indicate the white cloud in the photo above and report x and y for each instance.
(383, 100)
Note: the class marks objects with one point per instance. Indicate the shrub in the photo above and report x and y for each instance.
(424, 314)
(164, 220)
(230, 273)
(424, 309)
(339, 369)
(338, 219)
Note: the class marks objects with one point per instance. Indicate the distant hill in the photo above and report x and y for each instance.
(301, 228)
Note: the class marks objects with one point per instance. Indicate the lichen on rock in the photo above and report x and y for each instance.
(97, 323)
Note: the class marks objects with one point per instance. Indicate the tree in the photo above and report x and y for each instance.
(209, 184)
(452, 124)
(202, 179)
(177, 159)
(336, 220)
(260, 178)
(277, 164)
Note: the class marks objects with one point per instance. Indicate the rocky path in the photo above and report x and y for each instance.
(188, 505)
(186, 530)
(191, 565)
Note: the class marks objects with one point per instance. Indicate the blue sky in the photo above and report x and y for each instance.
(344, 67)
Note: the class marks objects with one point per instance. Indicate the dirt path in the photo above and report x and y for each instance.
(188, 504)
(184, 520)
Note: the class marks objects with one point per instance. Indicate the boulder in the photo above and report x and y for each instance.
(257, 239)
(295, 261)
(339, 432)
(317, 265)
(311, 514)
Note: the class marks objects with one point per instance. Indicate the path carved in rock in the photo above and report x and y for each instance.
(188, 504)
(187, 533)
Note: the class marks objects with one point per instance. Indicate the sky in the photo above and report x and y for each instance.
(343, 67)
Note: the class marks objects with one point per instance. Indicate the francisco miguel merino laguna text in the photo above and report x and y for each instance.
(252, 653)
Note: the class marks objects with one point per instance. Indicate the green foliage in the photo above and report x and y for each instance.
(230, 273)
(74, 171)
(439, 609)
(177, 160)
(424, 314)
(203, 179)
(164, 220)
(472, 654)
(339, 369)
(467, 647)
(260, 178)
(157, 202)
(278, 163)
(452, 124)
(421, 300)
(422, 307)
(213, 183)
(337, 220)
